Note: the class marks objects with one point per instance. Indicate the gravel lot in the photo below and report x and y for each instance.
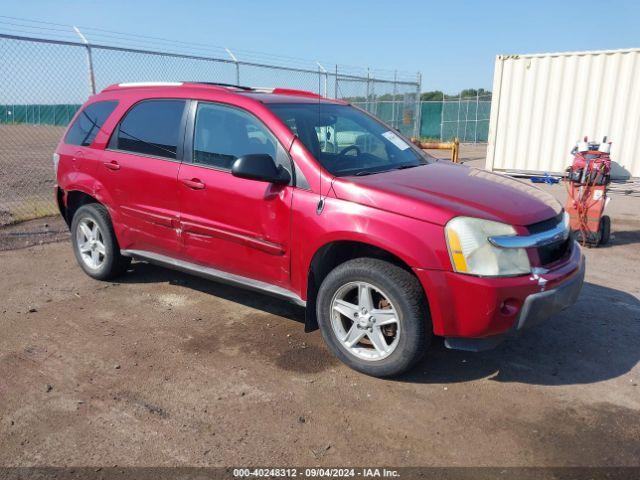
(164, 369)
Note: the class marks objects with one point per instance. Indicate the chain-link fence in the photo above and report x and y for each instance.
(44, 81)
(465, 118)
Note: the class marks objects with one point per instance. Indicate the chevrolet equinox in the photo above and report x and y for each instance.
(318, 202)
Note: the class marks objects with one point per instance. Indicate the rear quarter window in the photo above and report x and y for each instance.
(89, 122)
(151, 127)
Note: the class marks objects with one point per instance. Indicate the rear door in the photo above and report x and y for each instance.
(233, 224)
(140, 169)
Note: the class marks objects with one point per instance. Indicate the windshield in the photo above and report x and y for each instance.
(345, 140)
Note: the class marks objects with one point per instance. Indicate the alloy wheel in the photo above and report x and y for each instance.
(90, 243)
(365, 321)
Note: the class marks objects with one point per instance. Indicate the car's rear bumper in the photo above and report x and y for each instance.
(471, 310)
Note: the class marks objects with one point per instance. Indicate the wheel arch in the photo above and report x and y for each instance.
(74, 200)
(334, 253)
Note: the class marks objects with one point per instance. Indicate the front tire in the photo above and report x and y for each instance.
(374, 317)
(94, 243)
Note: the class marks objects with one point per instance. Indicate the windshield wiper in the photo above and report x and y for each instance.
(362, 173)
(408, 165)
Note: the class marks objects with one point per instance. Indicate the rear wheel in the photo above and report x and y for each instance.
(374, 316)
(94, 243)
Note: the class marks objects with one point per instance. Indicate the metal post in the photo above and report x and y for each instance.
(475, 136)
(372, 93)
(92, 78)
(459, 106)
(235, 60)
(418, 117)
(326, 78)
(393, 104)
(466, 122)
(442, 119)
(367, 106)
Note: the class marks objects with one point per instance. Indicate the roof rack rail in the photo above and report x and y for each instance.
(115, 86)
(288, 91)
(220, 84)
(149, 84)
(276, 90)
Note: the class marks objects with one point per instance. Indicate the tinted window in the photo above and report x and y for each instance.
(89, 122)
(223, 134)
(151, 127)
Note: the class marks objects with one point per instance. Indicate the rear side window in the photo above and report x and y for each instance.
(89, 122)
(151, 127)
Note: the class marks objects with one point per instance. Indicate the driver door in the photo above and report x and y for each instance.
(233, 224)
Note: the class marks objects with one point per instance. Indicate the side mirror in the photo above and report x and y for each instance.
(261, 167)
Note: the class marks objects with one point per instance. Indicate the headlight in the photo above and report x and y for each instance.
(471, 252)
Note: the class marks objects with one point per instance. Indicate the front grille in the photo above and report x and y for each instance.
(553, 252)
(545, 224)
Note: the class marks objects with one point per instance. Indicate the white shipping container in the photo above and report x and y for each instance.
(544, 103)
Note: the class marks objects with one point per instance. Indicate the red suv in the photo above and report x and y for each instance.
(315, 201)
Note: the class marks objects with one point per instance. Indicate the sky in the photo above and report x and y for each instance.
(452, 43)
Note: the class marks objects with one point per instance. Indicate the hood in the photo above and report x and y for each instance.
(439, 191)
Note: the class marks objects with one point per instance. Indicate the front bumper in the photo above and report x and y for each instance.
(476, 313)
(540, 306)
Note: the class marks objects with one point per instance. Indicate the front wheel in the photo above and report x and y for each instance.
(374, 317)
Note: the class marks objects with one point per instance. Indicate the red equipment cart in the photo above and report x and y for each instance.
(587, 182)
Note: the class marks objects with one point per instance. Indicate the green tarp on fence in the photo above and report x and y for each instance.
(430, 120)
(468, 120)
(38, 114)
(439, 120)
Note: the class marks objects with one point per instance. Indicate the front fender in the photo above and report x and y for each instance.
(419, 244)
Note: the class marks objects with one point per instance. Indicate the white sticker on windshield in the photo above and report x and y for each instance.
(396, 140)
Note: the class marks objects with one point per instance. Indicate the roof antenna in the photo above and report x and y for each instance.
(320, 206)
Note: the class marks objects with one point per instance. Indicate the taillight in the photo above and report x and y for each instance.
(56, 160)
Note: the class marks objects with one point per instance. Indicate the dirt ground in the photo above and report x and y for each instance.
(165, 369)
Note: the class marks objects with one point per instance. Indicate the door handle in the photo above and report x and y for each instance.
(194, 183)
(112, 165)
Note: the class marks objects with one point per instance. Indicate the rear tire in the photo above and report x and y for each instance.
(94, 243)
(374, 316)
